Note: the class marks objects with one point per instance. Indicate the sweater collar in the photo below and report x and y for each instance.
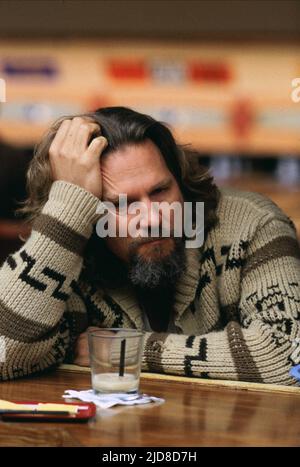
(125, 296)
(187, 285)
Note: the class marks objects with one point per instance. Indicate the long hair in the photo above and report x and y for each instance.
(121, 126)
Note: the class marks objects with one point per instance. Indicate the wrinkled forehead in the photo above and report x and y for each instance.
(133, 168)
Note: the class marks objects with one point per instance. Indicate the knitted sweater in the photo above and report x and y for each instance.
(236, 308)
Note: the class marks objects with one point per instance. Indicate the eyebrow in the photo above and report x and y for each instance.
(161, 184)
(114, 198)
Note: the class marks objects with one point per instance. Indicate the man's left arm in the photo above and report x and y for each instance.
(259, 345)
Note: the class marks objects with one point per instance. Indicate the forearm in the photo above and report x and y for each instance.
(37, 281)
(234, 353)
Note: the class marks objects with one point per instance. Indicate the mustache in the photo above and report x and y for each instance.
(135, 243)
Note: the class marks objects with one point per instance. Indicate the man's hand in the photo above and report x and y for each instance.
(74, 159)
(82, 348)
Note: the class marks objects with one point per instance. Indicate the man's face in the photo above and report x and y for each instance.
(140, 172)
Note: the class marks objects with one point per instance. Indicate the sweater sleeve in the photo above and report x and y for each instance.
(36, 283)
(259, 341)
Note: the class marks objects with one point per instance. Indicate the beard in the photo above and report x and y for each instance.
(159, 272)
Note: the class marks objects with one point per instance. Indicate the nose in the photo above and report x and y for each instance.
(150, 219)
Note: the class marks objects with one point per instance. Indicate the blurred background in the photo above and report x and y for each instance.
(222, 74)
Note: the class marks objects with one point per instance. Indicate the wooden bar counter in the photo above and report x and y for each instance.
(195, 413)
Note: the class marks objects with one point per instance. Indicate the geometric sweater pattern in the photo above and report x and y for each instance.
(236, 307)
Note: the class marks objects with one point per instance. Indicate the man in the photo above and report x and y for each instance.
(228, 309)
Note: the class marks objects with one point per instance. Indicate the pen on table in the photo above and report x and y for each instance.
(33, 412)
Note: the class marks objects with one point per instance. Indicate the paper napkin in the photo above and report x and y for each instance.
(105, 401)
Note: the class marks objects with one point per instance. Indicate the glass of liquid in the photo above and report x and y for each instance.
(115, 358)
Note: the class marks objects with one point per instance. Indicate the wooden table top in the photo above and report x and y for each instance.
(205, 414)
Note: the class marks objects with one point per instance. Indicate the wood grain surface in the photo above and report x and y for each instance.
(193, 414)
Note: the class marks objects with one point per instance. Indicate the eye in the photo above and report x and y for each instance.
(158, 190)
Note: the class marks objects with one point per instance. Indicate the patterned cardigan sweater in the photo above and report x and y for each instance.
(236, 308)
